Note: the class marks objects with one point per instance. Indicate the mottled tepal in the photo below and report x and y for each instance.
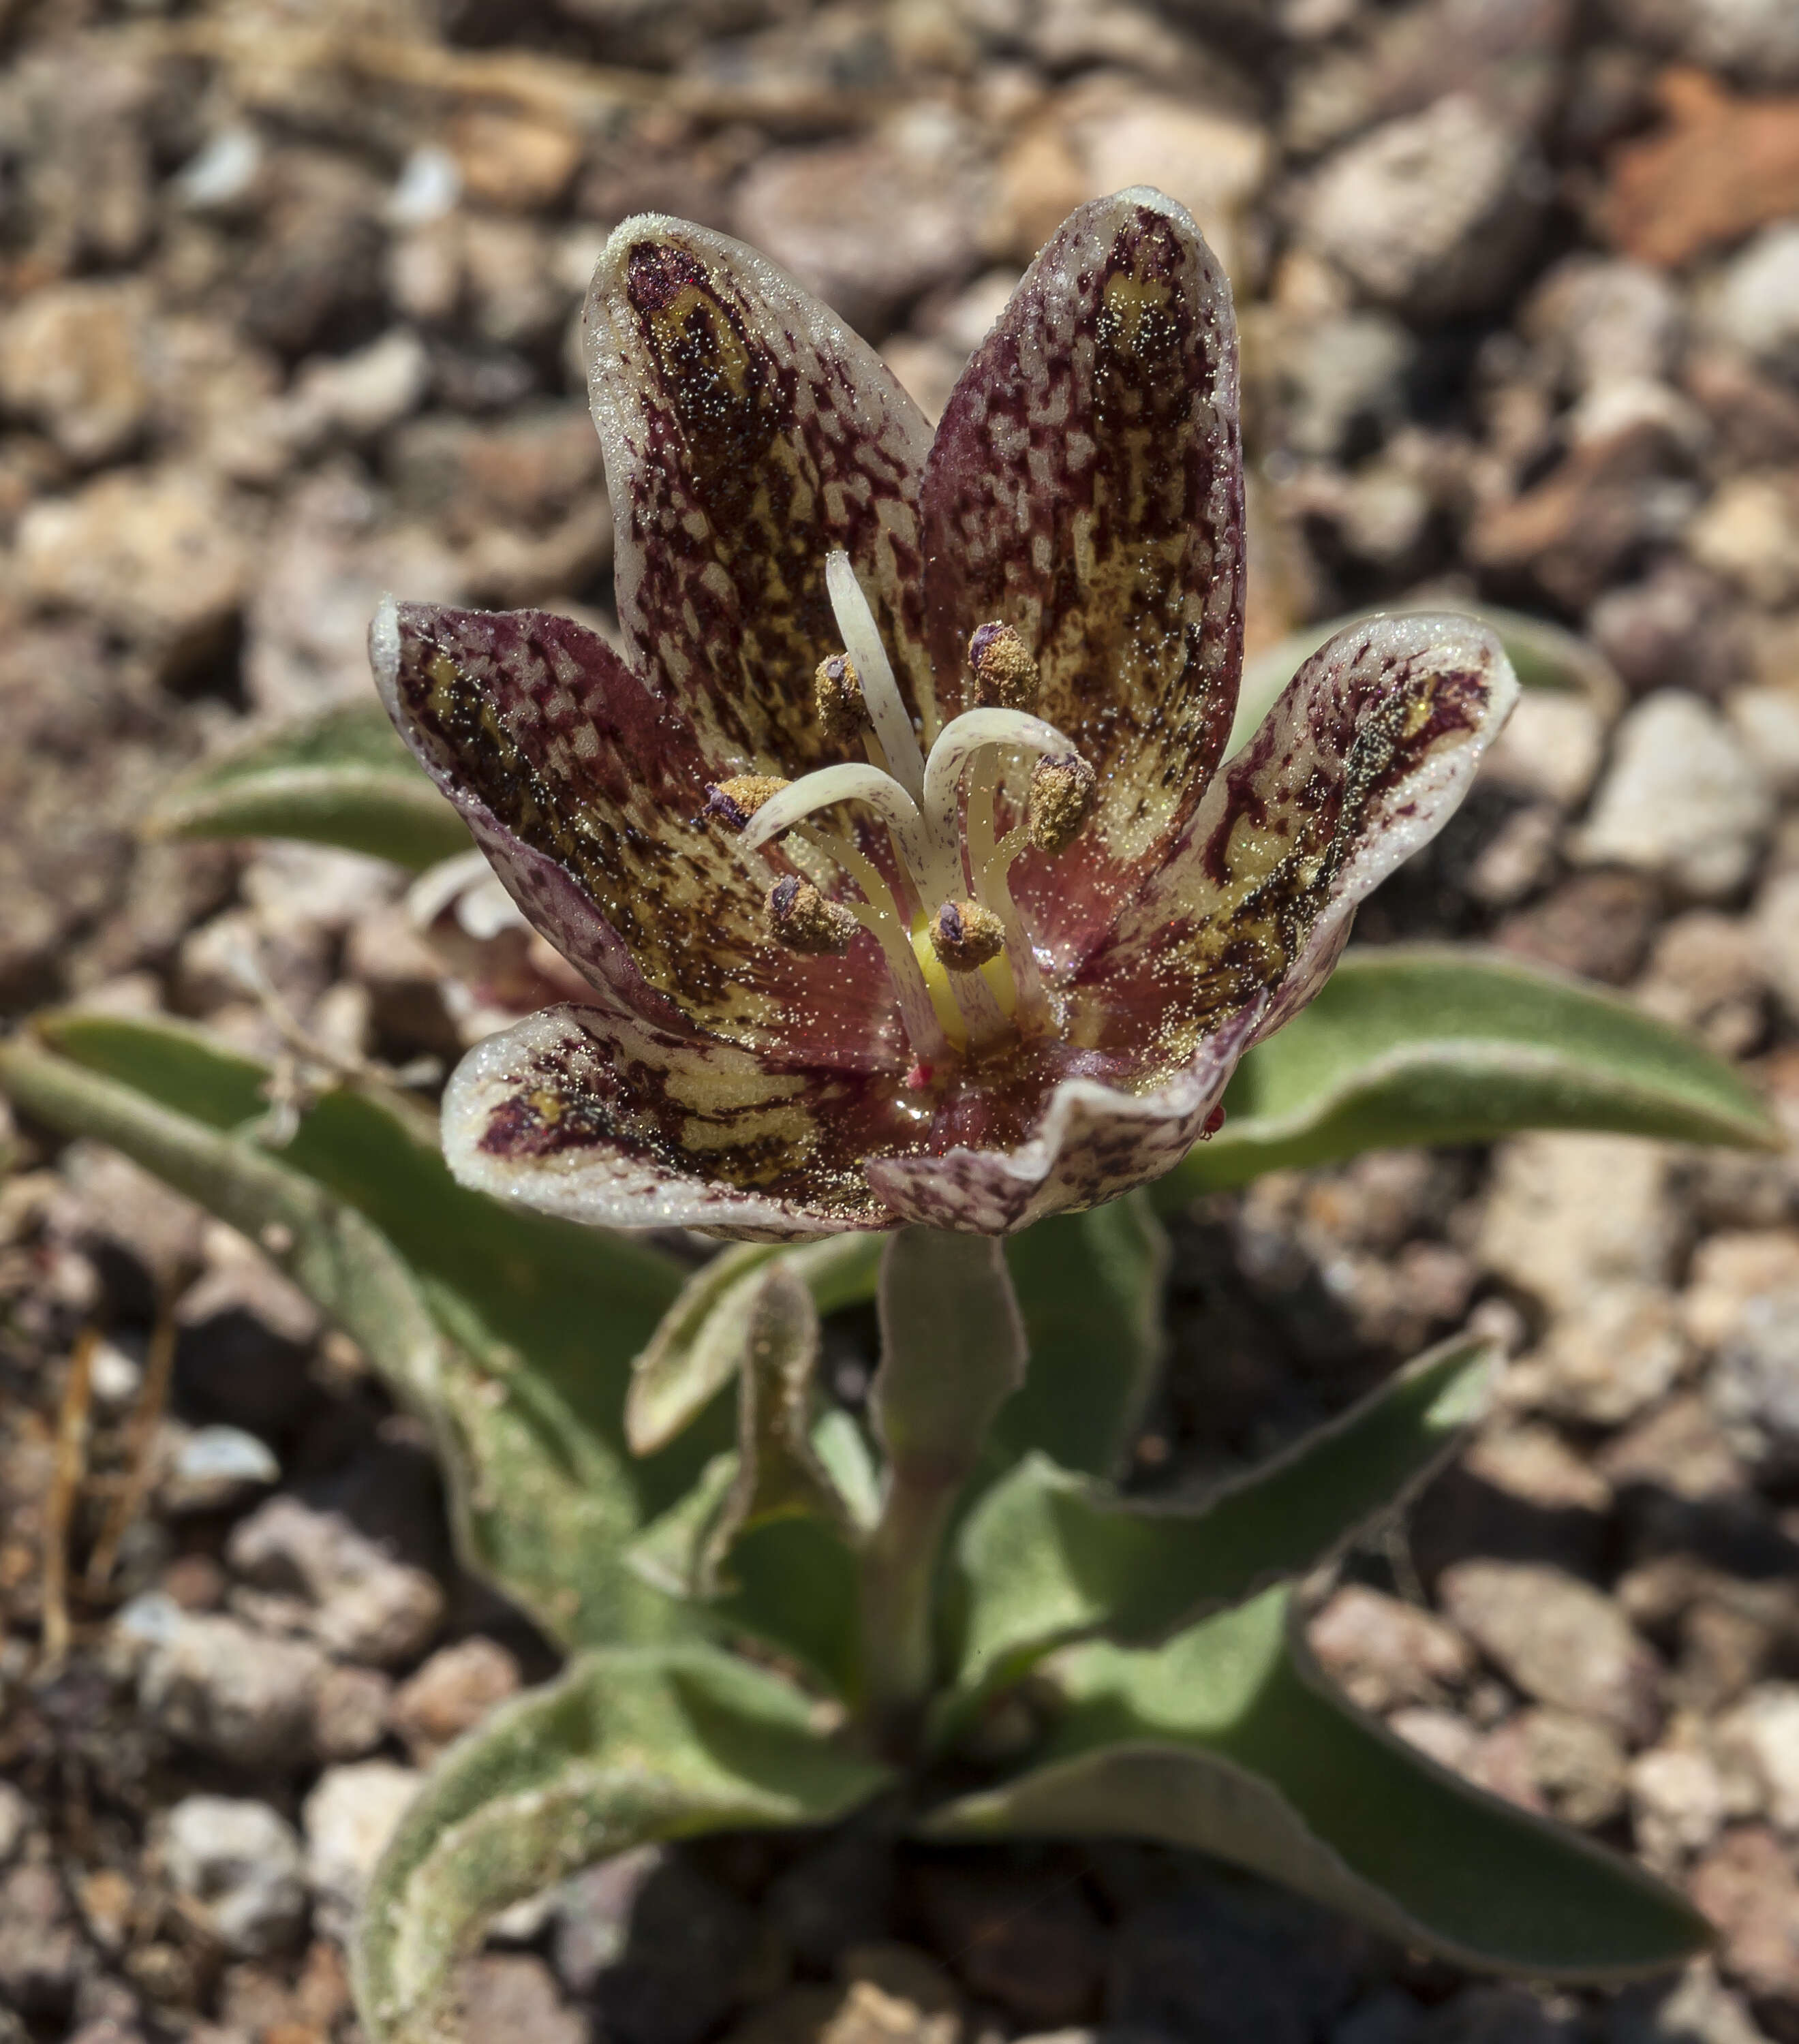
(899, 849)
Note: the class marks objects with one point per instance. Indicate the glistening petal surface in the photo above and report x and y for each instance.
(583, 791)
(1365, 756)
(748, 433)
(1085, 487)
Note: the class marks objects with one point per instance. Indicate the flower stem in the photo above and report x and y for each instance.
(952, 1352)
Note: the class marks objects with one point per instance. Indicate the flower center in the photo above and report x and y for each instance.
(959, 958)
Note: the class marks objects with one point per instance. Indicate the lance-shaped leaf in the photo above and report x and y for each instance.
(627, 1748)
(1544, 655)
(542, 1317)
(1228, 1740)
(342, 778)
(1426, 1044)
(700, 1345)
(1089, 1287)
(1049, 1556)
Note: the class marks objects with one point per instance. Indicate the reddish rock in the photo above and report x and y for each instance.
(1747, 1885)
(1722, 167)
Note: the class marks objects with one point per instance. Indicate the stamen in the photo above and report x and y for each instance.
(965, 936)
(929, 1032)
(733, 802)
(1006, 676)
(971, 732)
(989, 864)
(1062, 788)
(800, 917)
(880, 692)
(856, 783)
(837, 688)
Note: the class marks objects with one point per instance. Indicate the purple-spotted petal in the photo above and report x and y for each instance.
(585, 791)
(1093, 1143)
(1363, 759)
(1085, 487)
(602, 1116)
(748, 434)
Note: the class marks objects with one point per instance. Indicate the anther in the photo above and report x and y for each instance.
(800, 917)
(733, 802)
(1006, 676)
(965, 936)
(1062, 786)
(837, 687)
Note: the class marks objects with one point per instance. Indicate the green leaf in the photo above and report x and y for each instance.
(342, 778)
(1544, 655)
(542, 1317)
(1227, 1739)
(1047, 1556)
(627, 1748)
(1089, 1287)
(1426, 1044)
(699, 1347)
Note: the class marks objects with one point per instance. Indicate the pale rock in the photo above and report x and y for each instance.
(368, 1607)
(1705, 973)
(1677, 1799)
(1568, 1213)
(1550, 747)
(1701, 2010)
(1747, 1885)
(1757, 41)
(514, 1996)
(359, 394)
(1430, 213)
(1604, 319)
(71, 361)
(1767, 720)
(331, 556)
(1605, 1360)
(1562, 1641)
(240, 1862)
(1755, 305)
(1534, 1463)
(509, 268)
(210, 1682)
(1574, 1765)
(1382, 1652)
(1777, 932)
(1748, 531)
(348, 1818)
(927, 369)
(454, 1690)
(291, 885)
(15, 1820)
(214, 1468)
(161, 556)
(351, 1713)
(521, 162)
(1213, 162)
(1677, 1448)
(1761, 1735)
(1342, 378)
(1681, 801)
(1444, 1735)
(867, 224)
(1754, 1385)
(1730, 1270)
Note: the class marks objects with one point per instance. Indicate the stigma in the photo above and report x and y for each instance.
(964, 974)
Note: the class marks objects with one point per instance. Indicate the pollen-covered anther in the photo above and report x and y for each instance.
(965, 936)
(800, 917)
(1062, 786)
(1006, 676)
(842, 709)
(733, 802)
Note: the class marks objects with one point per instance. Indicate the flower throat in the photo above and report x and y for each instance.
(958, 955)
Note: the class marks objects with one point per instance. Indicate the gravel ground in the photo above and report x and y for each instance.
(290, 299)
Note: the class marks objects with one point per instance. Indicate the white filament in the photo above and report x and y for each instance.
(880, 692)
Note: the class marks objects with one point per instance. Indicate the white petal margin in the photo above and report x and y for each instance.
(1409, 814)
(1094, 1144)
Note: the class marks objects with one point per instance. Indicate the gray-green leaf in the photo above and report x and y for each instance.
(1228, 1740)
(627, 1748)
(698, 1348)
(342, 778)
(542, 1316)
(1429, 1044)
(1049, 1556)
